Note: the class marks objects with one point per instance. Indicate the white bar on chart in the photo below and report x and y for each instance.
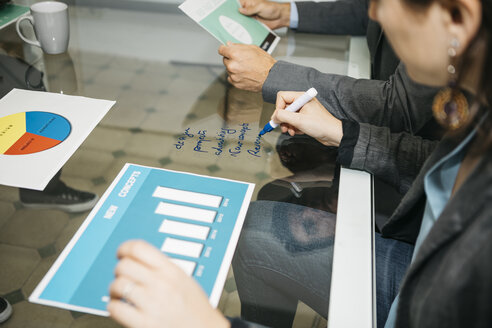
(182, 247)
(186, 266)
(186, 212)
(184, 196)
(184, 229)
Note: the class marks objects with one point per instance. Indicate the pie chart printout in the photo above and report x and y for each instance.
(31, 132)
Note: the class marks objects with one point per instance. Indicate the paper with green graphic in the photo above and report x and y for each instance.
(222, 19)
(10, 13)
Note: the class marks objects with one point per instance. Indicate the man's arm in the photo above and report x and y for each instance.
(343, 17)
(338, 17)
(399, 103)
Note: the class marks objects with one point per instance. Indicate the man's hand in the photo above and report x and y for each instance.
(247, 65)
(272, 14)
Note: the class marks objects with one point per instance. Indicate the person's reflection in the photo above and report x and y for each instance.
(232, 105)
(294, 219)
(303, 229)
(61, 74)
(273, 265)
(240, 106)
(301, 153)
(15, 73)
(314, 179)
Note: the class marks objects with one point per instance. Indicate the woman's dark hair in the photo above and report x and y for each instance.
(481, 44)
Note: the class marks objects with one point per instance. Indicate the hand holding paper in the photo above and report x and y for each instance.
(247, 66)
(222, 19)
(272, 14)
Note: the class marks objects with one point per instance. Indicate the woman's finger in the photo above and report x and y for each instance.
(293, 119)
(142, 252)
(292, 131)
(286, 97)
(134, 270)
(125, 314)
(150, 256)
(128, 290)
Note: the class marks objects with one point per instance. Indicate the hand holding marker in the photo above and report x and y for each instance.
(294, 107)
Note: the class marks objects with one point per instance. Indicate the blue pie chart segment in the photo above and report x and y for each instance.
(48, 125)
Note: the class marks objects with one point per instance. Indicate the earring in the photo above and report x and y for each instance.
(450, 106)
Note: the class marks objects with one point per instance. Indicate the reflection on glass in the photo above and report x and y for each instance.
(61, 73)
(240, 106)
(16, 73)
(286, 248)
(234, 106)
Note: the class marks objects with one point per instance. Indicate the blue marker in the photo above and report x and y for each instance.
(294, 107)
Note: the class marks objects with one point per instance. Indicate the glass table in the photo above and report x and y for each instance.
(170, 89)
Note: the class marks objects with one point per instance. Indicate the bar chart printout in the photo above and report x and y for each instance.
(195, 220)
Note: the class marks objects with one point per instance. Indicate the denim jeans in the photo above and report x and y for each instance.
(285, 255)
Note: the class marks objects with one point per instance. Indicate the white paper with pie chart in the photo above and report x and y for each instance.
(40, 131)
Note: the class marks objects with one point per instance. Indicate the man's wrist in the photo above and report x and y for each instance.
(285, 14)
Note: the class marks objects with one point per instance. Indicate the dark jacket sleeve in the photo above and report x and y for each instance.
(350, 137)
(398, 103)
(345, 17)
(396, 158)
(349, 17)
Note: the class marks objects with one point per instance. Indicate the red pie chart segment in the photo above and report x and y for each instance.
(31, 143)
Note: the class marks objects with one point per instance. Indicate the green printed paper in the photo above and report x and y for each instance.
(222, 19)
(233, 26)
(10, 13)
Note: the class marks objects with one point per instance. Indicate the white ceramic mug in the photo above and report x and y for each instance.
(50, 22)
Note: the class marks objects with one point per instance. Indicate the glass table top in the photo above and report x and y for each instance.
(175, 110)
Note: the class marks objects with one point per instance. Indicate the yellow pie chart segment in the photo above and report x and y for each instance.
(12, 127)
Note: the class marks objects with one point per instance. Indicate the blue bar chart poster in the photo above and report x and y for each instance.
(194, 219)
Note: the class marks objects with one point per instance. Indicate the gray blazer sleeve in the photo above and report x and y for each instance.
(394, 157)
(396, 103)
(338, 17)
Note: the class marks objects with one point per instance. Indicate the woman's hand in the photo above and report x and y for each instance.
(312, 119)
(157, 292)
